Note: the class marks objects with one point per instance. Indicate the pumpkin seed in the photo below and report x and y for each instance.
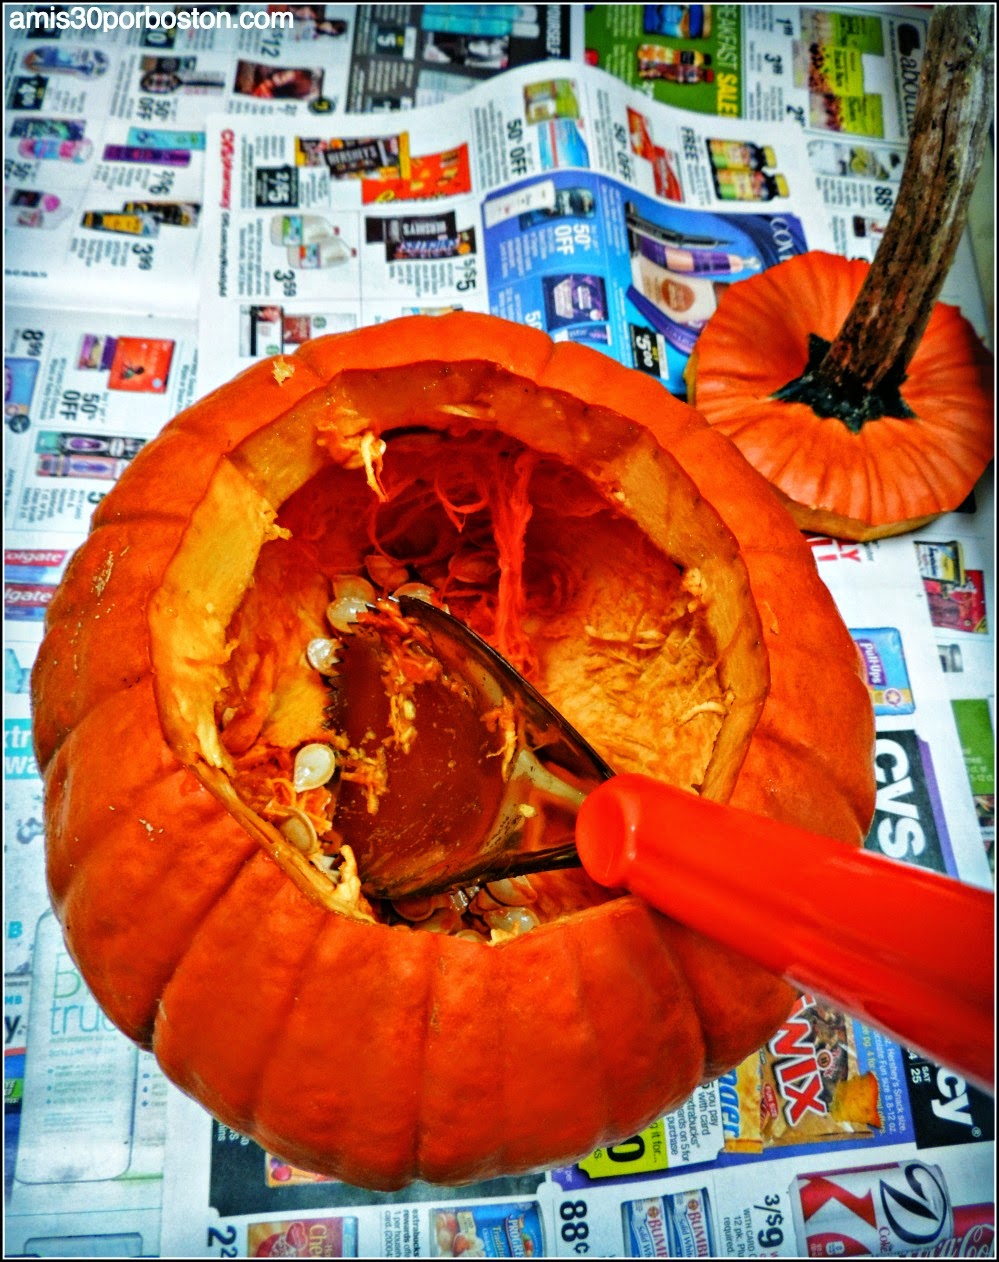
(512, 891)
(443, 920)
(483, 901)
(473, 565)
(299, 830)
(323, 655)
(329, 864)
(351, 596)
(418, 591)
(419, 908)
(385, 571)
(511, 920)
(314, 766)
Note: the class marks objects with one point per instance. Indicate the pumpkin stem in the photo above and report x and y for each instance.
(858, 376)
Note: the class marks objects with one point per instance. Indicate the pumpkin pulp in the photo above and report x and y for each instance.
(403, 482)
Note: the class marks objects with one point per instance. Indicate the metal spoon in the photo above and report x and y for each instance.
(551, 763)
(905, 949)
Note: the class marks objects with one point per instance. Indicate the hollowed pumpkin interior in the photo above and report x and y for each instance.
(561, 532)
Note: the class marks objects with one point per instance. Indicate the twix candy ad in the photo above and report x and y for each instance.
(805, 1085)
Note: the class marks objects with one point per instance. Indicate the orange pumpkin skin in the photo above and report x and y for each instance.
(371, 1053)
(896, 474)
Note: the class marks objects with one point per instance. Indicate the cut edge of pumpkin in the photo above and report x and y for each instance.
(237, 515)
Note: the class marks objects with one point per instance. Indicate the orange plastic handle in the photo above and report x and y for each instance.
(909, 951)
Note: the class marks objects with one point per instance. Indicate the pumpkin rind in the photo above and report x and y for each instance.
(353, 1048)
(896, 473)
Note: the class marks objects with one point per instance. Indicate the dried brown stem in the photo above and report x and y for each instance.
(871, 353)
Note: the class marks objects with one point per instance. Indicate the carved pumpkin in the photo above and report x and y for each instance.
(868, 405)
(597, 531)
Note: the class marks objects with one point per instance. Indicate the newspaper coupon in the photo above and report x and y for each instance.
(82, 395)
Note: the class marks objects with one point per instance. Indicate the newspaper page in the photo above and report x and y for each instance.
(106, 109)
(562, 206)
(83, 394)
(554, 196)
(846, 75)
